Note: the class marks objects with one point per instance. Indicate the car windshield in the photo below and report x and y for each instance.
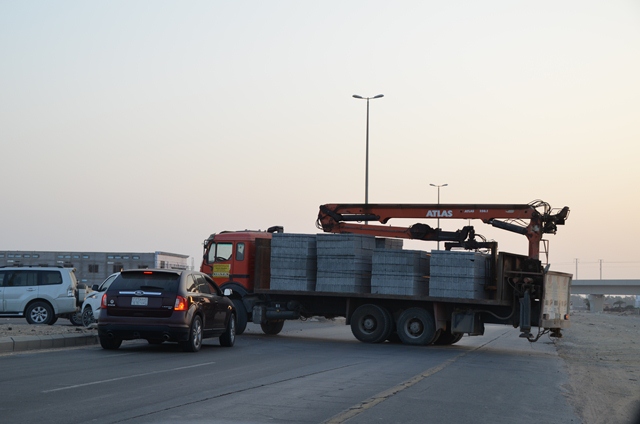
(104, 286)
(167, 282)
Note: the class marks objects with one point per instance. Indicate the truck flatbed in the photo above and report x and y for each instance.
(413, 298)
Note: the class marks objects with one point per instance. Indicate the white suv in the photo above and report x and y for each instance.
(40, 294)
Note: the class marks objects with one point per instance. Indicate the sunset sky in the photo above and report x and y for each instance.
(148, 125)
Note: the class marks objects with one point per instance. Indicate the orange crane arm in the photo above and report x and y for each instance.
(338, 218)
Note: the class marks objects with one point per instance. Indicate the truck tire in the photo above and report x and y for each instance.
(40, 313)
(272, 328)
(446, 338)
(241, 312)
(416, 326)
(371, 324)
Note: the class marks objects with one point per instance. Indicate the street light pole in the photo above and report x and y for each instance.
(438, 187)
(366, 166)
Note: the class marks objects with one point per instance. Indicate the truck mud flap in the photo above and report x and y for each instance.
(467, 322)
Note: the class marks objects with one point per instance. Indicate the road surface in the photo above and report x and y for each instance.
(312, 372)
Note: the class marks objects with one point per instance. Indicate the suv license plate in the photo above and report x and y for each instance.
(139, 301)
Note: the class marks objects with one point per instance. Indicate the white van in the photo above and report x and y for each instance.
(40, 294)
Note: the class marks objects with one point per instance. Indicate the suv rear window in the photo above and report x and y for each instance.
(48, 278)
(146, 281)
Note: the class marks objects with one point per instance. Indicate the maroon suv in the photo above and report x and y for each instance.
(165, 305)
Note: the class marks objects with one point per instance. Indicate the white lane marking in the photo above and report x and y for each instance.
(75, 386)
(387, 394)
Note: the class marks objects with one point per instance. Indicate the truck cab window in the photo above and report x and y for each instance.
(220, 252)
(240, 252)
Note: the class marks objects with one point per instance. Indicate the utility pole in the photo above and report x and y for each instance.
(601, 269)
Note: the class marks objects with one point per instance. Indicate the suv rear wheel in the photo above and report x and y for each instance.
(195, 336)
(110, 343)
(40, 313)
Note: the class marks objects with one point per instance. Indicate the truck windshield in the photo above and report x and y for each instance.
(220, 252)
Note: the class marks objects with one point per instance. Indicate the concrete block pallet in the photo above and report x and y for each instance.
(344, 263)
(400, 272)
(293, 262)
(458, 274)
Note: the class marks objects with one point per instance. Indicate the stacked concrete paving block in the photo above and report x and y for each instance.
(387, 243)
(344, 263)
(293, 262)
(400, 272)
(458, 274)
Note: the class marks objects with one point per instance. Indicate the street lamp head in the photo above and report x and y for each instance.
(367, 98)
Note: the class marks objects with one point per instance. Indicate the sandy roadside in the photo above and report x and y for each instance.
(602, 355)
(20, 327)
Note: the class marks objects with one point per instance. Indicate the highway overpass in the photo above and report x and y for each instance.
(597, 289)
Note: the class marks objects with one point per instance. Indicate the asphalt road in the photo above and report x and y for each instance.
(313, 372)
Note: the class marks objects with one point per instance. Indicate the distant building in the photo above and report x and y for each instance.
(93, 267)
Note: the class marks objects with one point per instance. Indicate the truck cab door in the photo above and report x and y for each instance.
(221, 260)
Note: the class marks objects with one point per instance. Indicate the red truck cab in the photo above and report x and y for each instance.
(230, 259)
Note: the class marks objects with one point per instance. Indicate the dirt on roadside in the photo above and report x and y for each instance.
(602, 355)
(17, 327)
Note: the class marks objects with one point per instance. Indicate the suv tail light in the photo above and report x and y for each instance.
(181, 304)
(103, 302)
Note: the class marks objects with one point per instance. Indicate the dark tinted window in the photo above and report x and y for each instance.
(22, 279)
(212, 286)
(2, 278)
(203, 286)
(128, 281)
(192, 285)
(49, 278)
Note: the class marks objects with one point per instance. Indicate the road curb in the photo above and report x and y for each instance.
(24, 343)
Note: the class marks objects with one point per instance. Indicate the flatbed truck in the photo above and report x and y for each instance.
(518, 290)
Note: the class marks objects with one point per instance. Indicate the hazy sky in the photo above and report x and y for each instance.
(148, 125)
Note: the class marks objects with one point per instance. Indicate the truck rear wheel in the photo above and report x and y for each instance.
(416, 326)
(272, 328)
(241, 313)
(371, 324)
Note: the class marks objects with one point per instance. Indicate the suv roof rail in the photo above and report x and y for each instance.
(32, 266)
